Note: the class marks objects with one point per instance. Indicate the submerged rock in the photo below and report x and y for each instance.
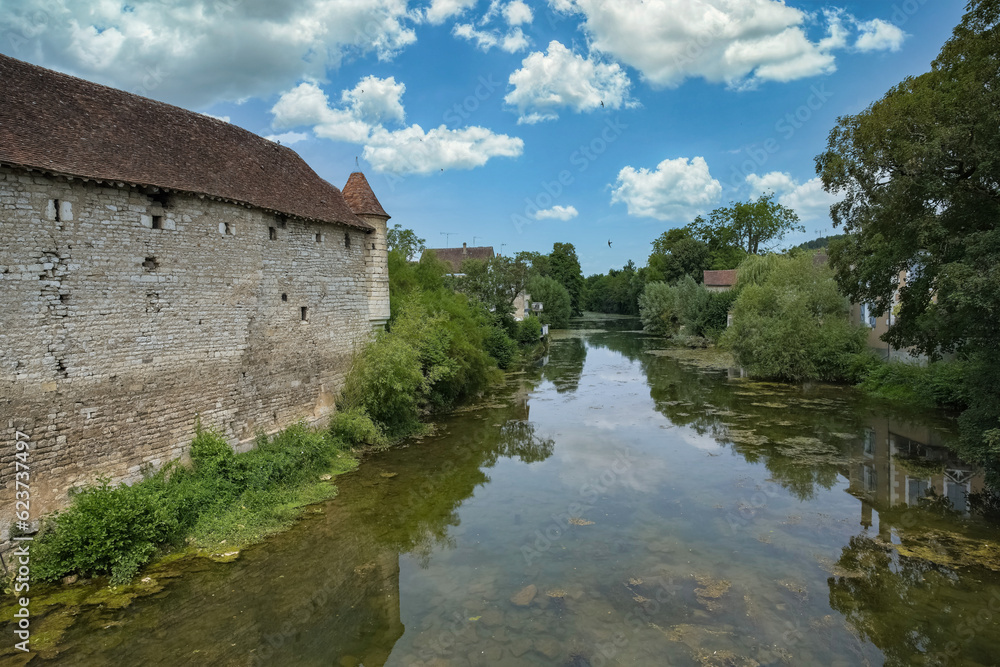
(524, 596)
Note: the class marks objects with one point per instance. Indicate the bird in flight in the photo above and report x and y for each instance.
(602, 104)
(609, 243)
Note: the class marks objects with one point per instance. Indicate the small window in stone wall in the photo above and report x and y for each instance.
(55, 206)
(157, 222)
(282, 221)
(319, 238)
(272, 233)
(305, 313)
(284, 297)
(347, 239)
(150, 263)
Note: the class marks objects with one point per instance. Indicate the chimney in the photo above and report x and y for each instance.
(464, 249)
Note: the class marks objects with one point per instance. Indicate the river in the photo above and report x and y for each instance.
(617, 503)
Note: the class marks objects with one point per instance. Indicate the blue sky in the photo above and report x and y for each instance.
(516, 123)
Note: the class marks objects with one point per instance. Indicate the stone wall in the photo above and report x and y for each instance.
(125, 318)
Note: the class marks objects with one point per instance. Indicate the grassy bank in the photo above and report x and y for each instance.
(222, 500)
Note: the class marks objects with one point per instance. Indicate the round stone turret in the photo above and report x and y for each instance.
(365, 205)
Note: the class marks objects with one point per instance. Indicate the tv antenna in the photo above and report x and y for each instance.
(446, 235)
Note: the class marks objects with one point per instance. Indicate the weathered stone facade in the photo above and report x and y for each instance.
(128, 315)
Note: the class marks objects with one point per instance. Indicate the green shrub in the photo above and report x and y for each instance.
(529, 330)
(790, 322)
(940, 383)
(114, 530)
(107, 530)
(692, 300)
(555, 299)
(659, 309)
(714, 317)
(501, 347)
(433, 357)
(356, 428)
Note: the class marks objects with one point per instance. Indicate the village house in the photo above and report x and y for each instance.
(454, 257)
(159, 267)
(719, 281)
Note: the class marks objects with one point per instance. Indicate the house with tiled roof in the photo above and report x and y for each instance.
(159, 267)
(719, 281)
(454, 257)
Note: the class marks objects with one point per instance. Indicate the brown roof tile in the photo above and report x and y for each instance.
(455, 256)
(360, 197)
(65, 125)
(726, 278)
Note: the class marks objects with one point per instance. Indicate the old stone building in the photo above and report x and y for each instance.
(159, 266)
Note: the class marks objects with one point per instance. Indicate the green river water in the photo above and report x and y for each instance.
(618, 503)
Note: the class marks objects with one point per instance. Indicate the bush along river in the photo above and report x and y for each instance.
(617, 503)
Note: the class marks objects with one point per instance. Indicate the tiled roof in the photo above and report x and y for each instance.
(65, 125)
(360, 197)
(720, 278)
(455, 256)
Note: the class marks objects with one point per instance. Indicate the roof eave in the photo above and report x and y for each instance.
(121, 183)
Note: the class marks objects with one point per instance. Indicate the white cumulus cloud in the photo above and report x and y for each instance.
(808, 199)
(409, 150)
(198, 52)
(442, 10)
(677, 190)
(511, 42)
(414, 151)
(517, 13)
(560, 78)
(557, 213)
(879, 35)
(736, 42)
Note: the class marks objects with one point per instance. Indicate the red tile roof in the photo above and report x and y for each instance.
(360, 197)
(455, 256)
(67, 126)
(725, 278)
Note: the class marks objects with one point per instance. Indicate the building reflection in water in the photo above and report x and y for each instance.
(898, 464)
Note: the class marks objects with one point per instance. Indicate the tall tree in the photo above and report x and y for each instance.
(754, 225)
(405, 241)
(496, 282)
(677, 253)
(565, 268)
(919, 173)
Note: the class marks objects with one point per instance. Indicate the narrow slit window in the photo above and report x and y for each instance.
(319, 238)
(347, 240)
(305, 313)
(157, 222)
(55, 206)
(284, 297)
(272, 233)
